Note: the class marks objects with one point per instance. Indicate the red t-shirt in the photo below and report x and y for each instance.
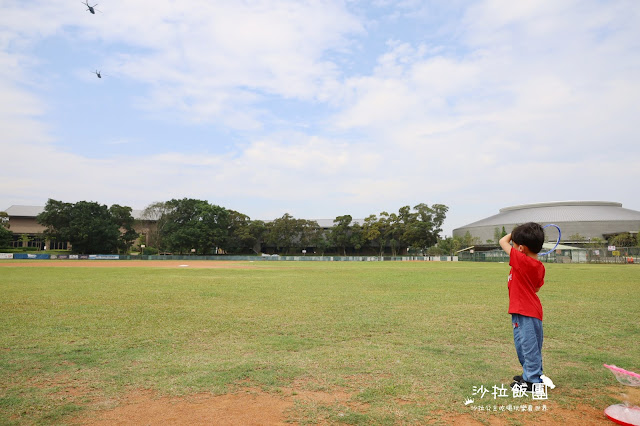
(526, 275)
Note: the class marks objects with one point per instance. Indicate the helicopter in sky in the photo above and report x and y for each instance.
(96, 72)
(91, 9)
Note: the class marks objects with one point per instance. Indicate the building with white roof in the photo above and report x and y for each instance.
(590, 219)
(28, 232)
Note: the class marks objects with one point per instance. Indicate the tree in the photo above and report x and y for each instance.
(404, 228)
(194, 225)
(55, 218)
(122, 216)
(4, 220)
(424, 231)
(258, 232)
(357, 239)
(578, 238)
(89, 227)
(92, 228)
(375, 231)
(310, 233)
(419, 229)
(434, 251)
(450, 245)
(340, 234)
(239, 236)
(6, 236)
(320, 242)
(244, 234)
(624, 239)
(596, 242)
(282, 232)
(468, 240)
(156, 215)
(394, 232)
(287, 233)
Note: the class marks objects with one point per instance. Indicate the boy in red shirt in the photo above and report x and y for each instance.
(525, 279)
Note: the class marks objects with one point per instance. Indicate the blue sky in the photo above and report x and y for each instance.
(321, 108)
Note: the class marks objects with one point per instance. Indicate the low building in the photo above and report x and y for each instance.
(27, 232)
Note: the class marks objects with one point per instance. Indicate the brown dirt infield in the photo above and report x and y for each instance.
(145, 408)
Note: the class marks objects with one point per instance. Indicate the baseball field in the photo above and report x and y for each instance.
(212, 342)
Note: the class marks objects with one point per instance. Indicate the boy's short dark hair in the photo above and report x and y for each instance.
(529, 234)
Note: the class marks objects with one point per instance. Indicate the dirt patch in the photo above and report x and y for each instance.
(182, 264)
(627, 394)
(244, 408)
(249, 406)
(255, 407)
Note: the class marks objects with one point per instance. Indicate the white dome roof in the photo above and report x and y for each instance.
(561, 211)
(587, 218)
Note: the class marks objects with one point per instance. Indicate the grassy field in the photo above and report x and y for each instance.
(409, 341)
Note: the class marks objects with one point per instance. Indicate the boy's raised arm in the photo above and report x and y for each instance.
(504, 243)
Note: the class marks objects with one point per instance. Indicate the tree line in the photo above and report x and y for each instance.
(191, 226)
(90, 227)
(195, 226)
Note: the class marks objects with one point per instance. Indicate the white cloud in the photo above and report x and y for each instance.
(222, 56)
(549, 88)
(203, 58)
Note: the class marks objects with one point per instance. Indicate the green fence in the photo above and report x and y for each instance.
(625, 255)
(264, 258)
(276, 257)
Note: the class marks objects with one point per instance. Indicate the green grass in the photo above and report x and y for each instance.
(407, 340)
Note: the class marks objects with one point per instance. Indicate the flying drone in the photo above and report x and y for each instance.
(91, 9)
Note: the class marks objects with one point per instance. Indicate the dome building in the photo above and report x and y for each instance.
(590, 219)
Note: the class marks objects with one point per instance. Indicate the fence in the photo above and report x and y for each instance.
(625, 255)
(628, 255)
(274, 257)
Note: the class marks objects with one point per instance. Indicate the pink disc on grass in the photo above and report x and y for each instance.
(623, 414)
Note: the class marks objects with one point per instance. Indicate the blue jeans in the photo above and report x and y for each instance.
(527, 335)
